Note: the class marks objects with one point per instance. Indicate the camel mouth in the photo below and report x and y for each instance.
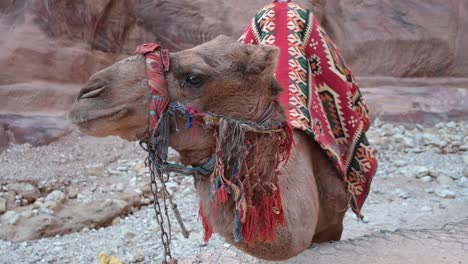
(114, 114)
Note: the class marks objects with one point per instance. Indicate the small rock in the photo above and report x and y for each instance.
(83, 198)
(402, 194)
(11, 217)
(426, 179)
(2, 205)
(145, 201)
(429, 190)
(446, 194)
(72, 193)
(122, 168)
(445, 181)
(24, 202)
(465, 159)
(26, 214)
(134, 258)
(119, 187)
(415, 171)
(51, 204)
(400, 163)
(56, 196)
(37, 205)
(97, 170)
(116, 172)
(116, 221)
(365, 220)
(138, 258)
(420, 127)
(451, 124)
(426, 209)
(463, 182)
(26, 190)
(139, 168)
(45, 210)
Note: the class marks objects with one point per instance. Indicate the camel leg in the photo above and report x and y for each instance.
(332, 233)
(333, 198)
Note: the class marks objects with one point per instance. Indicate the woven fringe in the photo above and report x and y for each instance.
(206, 225)
(249, 228)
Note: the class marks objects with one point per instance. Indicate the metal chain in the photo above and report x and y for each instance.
(165, 236)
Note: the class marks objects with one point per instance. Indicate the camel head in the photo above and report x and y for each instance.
(221, 76)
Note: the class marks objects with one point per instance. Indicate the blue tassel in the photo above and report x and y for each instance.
(237, 229)
(218, 183)
(235, 168)
(189, 123)
(175, 121)
(212, 192)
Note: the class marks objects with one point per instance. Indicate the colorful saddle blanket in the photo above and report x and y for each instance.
(321, 95)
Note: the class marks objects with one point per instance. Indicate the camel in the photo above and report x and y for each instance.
(235, 81)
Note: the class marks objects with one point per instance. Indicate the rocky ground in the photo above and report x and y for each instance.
(79, 196)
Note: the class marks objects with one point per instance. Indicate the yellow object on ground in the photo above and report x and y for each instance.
(106, 259)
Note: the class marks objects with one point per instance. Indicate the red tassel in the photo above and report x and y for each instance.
(206, 225)
(266, 225)
(249, 228)
(222, 195)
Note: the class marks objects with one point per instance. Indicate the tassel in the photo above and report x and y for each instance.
(237, 228)
(206, 225)
(222, 195)
(278, 213)
(249, 228)
(266, 226)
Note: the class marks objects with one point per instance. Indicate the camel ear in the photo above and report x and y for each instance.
(263, 59)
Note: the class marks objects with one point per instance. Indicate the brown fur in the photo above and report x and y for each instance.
(238, 82)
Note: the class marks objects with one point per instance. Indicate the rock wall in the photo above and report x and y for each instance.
(49, 48)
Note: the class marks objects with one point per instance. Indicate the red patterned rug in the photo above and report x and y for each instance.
(321, 95)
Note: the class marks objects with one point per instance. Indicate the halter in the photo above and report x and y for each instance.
(258, 208)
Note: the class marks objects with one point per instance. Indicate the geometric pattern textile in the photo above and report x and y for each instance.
(321, 96)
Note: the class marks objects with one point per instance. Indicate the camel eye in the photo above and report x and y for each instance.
(193, 80)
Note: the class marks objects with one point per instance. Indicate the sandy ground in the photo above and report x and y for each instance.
(88, 196)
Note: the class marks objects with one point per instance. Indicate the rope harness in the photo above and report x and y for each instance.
(258, 208)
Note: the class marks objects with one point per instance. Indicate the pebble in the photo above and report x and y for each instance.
(415, 171)
(426, 179)
(446, 194)
(83, 198)
(445, 181)
(55, 196)
(426, 209)
(2, 205)
(97, 170)
(72, 193)
(11, 217)
(119, 187)
(51, 204)
(463, 182)
(26, 190)
(400, 163)
(465, 159)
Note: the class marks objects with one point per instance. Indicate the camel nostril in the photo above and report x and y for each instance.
(90, 93)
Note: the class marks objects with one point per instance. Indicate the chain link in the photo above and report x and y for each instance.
(161, 217)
